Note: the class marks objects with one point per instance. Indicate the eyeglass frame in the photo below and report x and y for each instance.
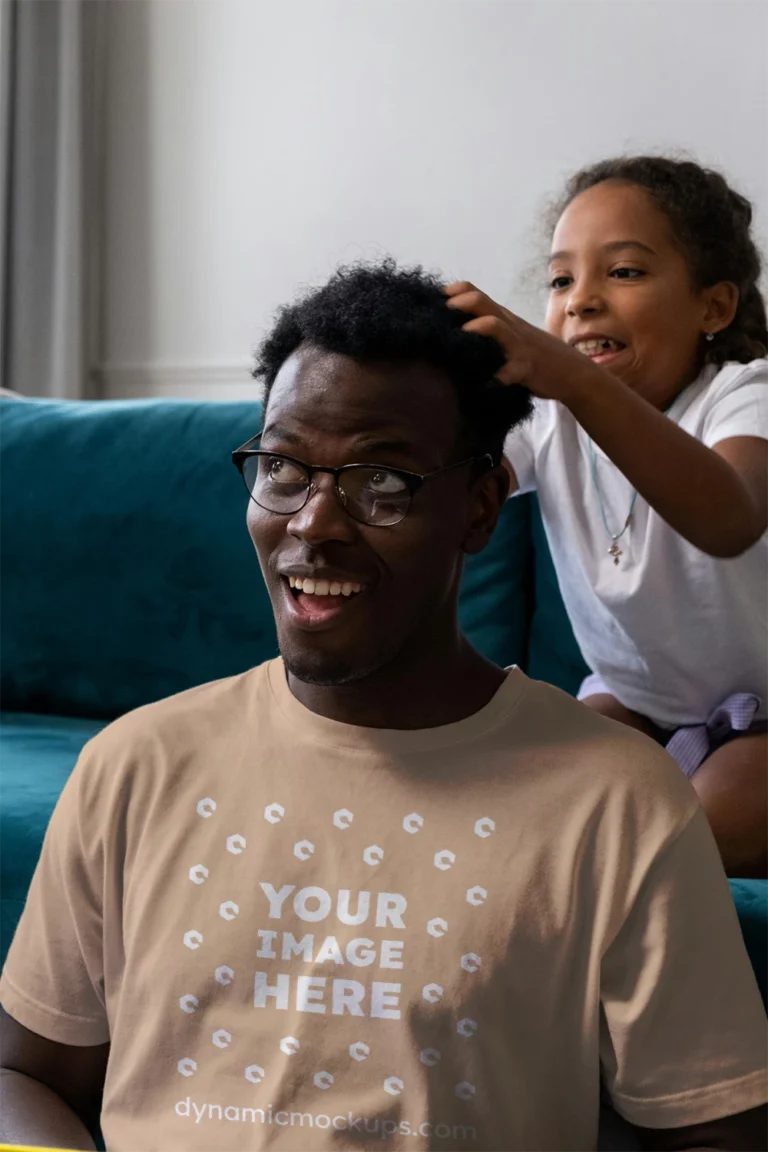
(413, 480)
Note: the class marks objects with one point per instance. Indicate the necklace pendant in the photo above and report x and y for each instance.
(615, 552)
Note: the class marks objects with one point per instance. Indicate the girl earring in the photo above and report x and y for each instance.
(709, 336)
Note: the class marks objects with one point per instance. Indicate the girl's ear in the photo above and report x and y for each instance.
(720, 301)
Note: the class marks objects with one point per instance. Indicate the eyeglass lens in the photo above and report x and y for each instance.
(371, 495)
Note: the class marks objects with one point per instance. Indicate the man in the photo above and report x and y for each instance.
(379, 892)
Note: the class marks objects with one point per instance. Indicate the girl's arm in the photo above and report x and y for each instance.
(716, 498)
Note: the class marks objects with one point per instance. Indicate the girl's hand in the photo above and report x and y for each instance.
(545, 365)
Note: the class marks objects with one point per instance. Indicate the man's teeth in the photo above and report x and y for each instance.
(595, 347)
(324, 587)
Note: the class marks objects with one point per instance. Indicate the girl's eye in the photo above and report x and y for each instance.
(627, 273)
(560, 282)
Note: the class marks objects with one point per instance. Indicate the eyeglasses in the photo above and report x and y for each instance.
(371, 495)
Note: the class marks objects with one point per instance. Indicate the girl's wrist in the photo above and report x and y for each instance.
(590, 389)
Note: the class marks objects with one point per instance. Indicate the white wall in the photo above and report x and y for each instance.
(253, 145)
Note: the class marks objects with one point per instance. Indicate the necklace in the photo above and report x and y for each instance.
(614, 551)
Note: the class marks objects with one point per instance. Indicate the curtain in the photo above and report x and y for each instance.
(51, 98)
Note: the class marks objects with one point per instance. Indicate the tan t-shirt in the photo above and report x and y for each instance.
(301, 934)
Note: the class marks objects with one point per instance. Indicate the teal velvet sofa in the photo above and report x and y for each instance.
(127, 575)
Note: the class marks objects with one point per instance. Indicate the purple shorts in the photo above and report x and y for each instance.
(690, 746)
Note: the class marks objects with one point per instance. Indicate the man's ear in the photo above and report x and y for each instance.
(489, 494)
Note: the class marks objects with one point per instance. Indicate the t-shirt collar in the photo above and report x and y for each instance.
(333, 732)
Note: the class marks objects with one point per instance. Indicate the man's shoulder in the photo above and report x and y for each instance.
(590, 755)
(179, 726)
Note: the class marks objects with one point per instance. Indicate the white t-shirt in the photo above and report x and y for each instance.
(671, 630)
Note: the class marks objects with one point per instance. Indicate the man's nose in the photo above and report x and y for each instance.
(323, 517)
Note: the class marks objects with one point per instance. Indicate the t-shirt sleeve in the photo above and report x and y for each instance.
(682, 1036)
(742, 410)
(53, 979)
(520, 451)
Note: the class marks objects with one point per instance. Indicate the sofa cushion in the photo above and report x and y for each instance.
(127, 570)
(751, 899)
(553, 654)
(37, 754)
(495, 600)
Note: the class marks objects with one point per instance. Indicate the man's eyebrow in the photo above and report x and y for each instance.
(613, 246)
(281, 433)
(377, 446)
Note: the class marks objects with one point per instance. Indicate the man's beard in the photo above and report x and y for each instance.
(327, 674)
(328, 671)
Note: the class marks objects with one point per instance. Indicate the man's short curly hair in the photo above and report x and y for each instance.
(381, 313)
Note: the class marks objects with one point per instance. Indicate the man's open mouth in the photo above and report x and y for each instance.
(324, 587)
(316, 602)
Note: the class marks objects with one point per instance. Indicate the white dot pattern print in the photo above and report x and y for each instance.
(289, 939)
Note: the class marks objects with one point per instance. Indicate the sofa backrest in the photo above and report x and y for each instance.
(553, 654)
(127, 572)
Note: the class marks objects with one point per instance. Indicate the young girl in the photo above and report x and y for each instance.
(648, 451)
